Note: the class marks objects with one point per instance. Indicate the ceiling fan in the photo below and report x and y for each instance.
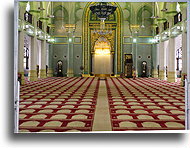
(40, 8)
(164, 10)
(50, 16)
(154, 17)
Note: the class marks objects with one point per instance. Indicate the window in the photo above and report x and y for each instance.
(157, 30)
(28, 17)
(26, 57)
(179, 59)
(166, 25)
(39, 24)
(177, 18)
(48, 29)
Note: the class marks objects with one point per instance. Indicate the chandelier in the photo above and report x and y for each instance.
(102, 31)
(103, 10)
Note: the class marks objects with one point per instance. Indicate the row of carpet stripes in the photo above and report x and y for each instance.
(145, 104)
(68, 104)
(58, 105)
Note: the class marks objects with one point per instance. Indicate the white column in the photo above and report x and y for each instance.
(155, 58)
(50, 69)
(171, 61)
(161, 61)
(184, 45)
(33, 60)
(184, 57)
(21, 45)
(43, 55)
(188, 66)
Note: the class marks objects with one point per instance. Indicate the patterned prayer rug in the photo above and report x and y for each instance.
(58, 105)
(145, 104)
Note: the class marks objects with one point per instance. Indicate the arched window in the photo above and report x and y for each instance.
(26, 57)
(179, 59)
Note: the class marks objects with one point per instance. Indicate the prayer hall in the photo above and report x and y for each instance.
(101, 66)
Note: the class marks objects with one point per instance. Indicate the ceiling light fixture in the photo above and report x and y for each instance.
(164, 10)
(103, 10)
(40, 8)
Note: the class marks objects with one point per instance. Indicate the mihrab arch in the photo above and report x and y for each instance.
(89, 39)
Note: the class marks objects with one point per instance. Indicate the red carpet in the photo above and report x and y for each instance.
(68, 104)
(58, 105)
(145, 104)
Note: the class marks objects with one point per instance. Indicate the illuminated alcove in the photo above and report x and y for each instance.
(102, 58)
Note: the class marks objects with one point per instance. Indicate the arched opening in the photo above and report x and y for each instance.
(113, 22)
(102, 59)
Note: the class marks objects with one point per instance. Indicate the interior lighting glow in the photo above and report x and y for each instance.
(102, 52)
(134, 40)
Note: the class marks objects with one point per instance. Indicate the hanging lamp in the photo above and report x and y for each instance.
(103, 10)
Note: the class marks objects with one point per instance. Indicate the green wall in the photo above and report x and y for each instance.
(139, 10)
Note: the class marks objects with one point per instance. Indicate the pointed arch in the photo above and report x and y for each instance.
(86, 41)
(65, 12)
(141, 11)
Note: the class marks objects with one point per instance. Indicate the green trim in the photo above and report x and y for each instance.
(161, 19)
(43, 18)
(182, 3)
(42, 39)
(171, 12)
(23, 2)
(34, 11)
(154, 25)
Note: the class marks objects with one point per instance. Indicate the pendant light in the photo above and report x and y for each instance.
(103, 10)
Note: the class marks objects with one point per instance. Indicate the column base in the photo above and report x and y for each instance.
(183, 79)
(50, 73)
(32, 75)
(171, 76)
(70, 73)
(43, 73)
(22, 78)
(161, 75)
(154, 73)
(137, 74)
